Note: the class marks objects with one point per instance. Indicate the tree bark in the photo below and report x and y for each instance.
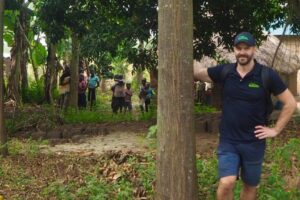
(34, 67)
(14, 88)
(3, 134)
(153, 77)
(139, 76)
(24, 49)
(74, 72)
(176, 157)
(49, 75)
(103, 84)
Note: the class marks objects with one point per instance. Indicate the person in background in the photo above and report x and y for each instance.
(208, 94)
(149, 94)
(118, 98)
(82, 86)
(64, 87)
(93, 83)
(143, 94)
(128, 95)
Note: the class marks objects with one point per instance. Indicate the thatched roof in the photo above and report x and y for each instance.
(286, 61)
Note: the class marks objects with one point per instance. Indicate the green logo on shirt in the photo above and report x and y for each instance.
(253, 85)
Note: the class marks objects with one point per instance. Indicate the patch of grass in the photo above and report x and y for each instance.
(94, 188)
(28, 147)
(124, 189)
(59, 190)
(146, 170)
(152, 131)
(281, 171)
(207, 176)
(87, 116)
(27, 118)
(201, 109)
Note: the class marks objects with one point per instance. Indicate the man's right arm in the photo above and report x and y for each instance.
(201, 74)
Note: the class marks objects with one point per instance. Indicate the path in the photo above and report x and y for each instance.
(127, 141)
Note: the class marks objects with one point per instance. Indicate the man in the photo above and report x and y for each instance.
(243, 128)
(143, 94)
(118, 97)
(93, 83)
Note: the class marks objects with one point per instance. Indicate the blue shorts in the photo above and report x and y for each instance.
(241, 158)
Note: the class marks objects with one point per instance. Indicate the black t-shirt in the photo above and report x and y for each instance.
(244, 102)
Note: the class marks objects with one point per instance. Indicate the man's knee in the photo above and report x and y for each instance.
(227, 183)
(249, 188)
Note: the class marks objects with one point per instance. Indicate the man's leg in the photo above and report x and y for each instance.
(248, 192)
(228, 170)
(225, 188)
(252, 158)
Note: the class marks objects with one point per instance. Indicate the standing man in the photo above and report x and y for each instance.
(243, 128)
(93, 83)
(143, 94)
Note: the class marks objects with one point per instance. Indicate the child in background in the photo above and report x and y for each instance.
(149, 94)
(82, 86)
(64, 87)
(128, 95)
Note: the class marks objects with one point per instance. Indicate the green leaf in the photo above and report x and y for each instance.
(8, 37)
(39, 54)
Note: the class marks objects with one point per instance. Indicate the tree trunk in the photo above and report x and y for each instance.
(34, 68)
(139, 76)
(176, 157)
(3, 135)
(74, 72)
(58, 67)
(49, 75)
(153, 78)
(24, 49)
(14, 90)
(103, 84)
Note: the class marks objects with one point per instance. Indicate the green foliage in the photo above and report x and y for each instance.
(8, 37)
(124, 188)
(201, 109)
(279, 168)
(94, 188)
(152, 131)
(120, 66)
(146, 171)
(59, 190)
(39, 53)
(28, 147)
(207, 177)
(87, 116)
(64, 48)
(10, 18)
(34, 93)
(221, 16)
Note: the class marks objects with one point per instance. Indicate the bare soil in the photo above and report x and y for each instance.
(125, 136)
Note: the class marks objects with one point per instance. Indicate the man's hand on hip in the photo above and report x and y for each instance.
(262, 132)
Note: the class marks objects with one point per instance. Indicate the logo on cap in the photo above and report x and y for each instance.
(243, 37)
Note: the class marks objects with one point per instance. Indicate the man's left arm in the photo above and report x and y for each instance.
(289, 106)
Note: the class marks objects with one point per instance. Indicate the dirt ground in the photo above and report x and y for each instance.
(126, 136)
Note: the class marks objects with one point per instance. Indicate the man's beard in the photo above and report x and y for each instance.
(244, 60)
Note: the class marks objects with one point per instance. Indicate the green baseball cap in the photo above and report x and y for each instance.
(244, 37)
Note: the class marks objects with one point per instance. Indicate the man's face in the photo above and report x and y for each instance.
(244, 53)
